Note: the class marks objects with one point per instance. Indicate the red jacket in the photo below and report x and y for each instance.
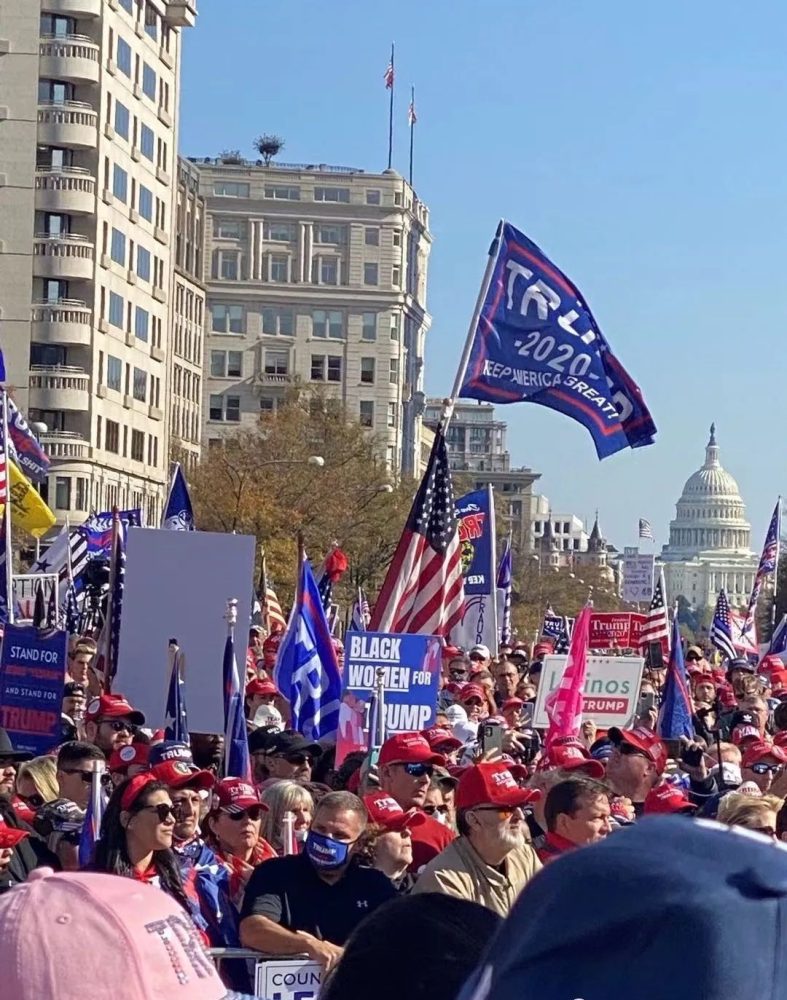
(554, 846)
(429, 839)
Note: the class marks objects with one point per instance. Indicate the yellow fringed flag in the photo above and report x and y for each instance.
(28, 510)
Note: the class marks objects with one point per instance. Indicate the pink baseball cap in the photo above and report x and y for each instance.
(143, 945)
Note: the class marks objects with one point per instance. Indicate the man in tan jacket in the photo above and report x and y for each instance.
(490, 861)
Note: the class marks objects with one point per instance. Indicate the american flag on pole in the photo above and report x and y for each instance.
(721, 629)
(361, 613)
(423, 590)
(412, 117)
(389, 73)
(504, 576)
(768, 561)
(656, 627)
(645, 530)
(272, 613)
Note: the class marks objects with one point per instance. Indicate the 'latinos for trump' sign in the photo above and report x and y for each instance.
(611, 689)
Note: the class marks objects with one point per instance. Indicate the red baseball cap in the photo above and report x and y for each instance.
(233, 795)
(449, 652)
(408, 748)
(258, 686)
(179, 774)
(492, 784)
(573, 757)
(113, 706)
(770, 663)
(759, 751)
(745, 732)
(644, 739)
(122, 758)
(512, 703)
(10, 835)
(387, 812)
(519, 771)
(779, 682)
(472, 691)
(668, 799)
(543, 647)
(439, 737)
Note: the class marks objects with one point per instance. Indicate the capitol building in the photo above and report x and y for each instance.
(709, 539)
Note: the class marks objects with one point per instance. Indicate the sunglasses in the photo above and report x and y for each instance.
(760, 767)
(296, 758)
(253, 813)
(419, 770)
(431, 810)
(87, 776)
(119, 726)
(34, 801)
(163, 810)
(474, 702)
(504, 812)
(767, 830)
(629, 751)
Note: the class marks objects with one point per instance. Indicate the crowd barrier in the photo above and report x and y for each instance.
(277, 977)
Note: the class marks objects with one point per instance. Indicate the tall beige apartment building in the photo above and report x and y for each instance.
(315, 275)
(88, 177)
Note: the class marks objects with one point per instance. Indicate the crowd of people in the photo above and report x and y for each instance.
(436, 835)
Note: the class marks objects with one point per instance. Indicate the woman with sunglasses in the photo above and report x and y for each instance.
(36, 784)
(757, 813)
(136, 837)
(232, 829)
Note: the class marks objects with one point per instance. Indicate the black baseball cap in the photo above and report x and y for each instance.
(261, 739)
(74, 688)
(292, 742)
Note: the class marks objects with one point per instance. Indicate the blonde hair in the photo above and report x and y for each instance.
(736, 809)
(42, 771)
(280, 798)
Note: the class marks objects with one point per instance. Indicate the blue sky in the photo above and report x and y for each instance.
(642, 146)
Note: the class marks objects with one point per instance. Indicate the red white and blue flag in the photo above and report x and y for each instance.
(768, 561)
(675, 713)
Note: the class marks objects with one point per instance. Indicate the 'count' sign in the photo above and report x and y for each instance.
(295, 979)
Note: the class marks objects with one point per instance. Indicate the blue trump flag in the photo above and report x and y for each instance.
(176, 724)
(537, 341)
(178, 513)
(91, 828)
(307, 673)
(476, 519)
(504, 581)
(237, 762)
(675, 713)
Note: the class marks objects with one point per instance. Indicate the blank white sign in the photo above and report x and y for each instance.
(177, 586)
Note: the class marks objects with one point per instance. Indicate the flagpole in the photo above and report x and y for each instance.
(107, 627)
(391, 109)
(493, 569)
(9, 566)
(776, 563)
(448, 404)
(412, 130)
(231, 617)
(361, 616)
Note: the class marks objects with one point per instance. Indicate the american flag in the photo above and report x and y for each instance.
(504, 591)
(645, 530)
(411, 115)
(272, 613)
(4, 453)
(423, 590)
(768, 561)
(91, 829)
(389, 73)
(720, 629)
(563, 641)
(361, 613)
(237, 762)
(656, 627)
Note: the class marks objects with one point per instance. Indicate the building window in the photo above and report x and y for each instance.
(228, 265)
(226, 364)
(140, 385)
(143, 263)
(318, 368)
(116, 310)
(330, 234)
(367, 412)
(232, 409)
(279, 232)
(150, 21)
(391, 456)
(138, 446)
(392, 414)
(370, 274)
(277, 362)
(80, 501)
(332, 194)
(372, 237)
(128, 6)
(393, 371)
(277, 322)
(147, 143)
(114, 373)
(231, 189)
(328, 323)
(227, 319)
(394, 327)
(397, 237)
(230, 229)
(149, 81)
(396, 276)
(282, 192)
(367, 371)
(112, 437)
(145, 203)
(278, 268)
(369, 328)
(267, 404)
(373, 197)
(141, 324)
(120, 183)
(397, 197)
(62, 493)
(334, 368)
(329, 270)
(124, 56)
(122, 119)
(216, 407)
(118, 247)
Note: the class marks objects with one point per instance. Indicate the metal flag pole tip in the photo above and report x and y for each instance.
(231, 615)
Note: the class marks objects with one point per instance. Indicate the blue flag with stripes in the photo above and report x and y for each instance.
(237, 762)
(307, 673)
(504, 590)
(91, 829)
(675, 714)
(176, 723)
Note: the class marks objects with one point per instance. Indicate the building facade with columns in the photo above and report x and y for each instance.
(710, 539)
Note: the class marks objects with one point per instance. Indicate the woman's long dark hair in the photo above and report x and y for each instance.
(111, 853)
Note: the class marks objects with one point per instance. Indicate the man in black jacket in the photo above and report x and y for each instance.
(20, 852)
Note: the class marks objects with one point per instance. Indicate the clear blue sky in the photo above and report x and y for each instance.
(641, 145)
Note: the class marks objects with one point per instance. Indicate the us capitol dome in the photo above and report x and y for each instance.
(709, 538)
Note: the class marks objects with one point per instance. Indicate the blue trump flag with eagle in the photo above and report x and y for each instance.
(537, 341)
